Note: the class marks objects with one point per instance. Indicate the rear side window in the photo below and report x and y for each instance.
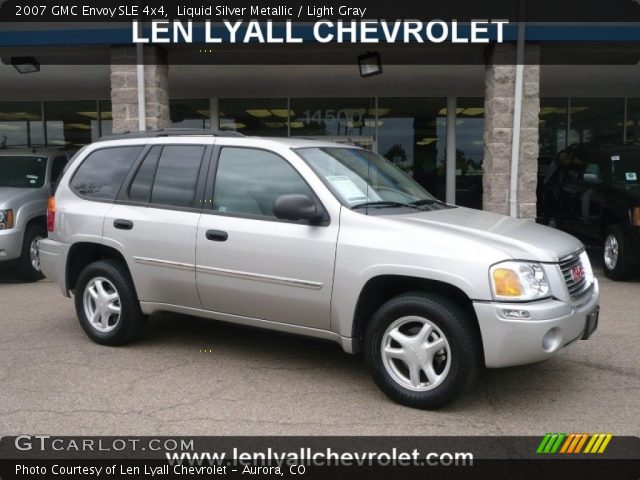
(177, 175)
(103, 171)
(140, 189)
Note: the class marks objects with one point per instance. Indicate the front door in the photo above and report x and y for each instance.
(251, 264)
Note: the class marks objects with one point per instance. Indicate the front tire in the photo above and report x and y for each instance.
(29, 261)
(107, 305)
(616, 254)
(422, 350)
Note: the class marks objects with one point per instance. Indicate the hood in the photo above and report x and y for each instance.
(11, 197)
(519, 239)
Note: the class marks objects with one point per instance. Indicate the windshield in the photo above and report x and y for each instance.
(22, 172)
(625, 168)
(362, 178)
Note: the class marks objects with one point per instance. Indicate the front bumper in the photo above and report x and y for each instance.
(11, 243)
(53, 262)
(552, 326)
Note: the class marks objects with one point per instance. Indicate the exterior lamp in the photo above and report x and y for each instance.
(370, 64)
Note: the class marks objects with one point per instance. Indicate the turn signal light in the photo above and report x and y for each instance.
(506, 283)
(51, 214)
(635, 216)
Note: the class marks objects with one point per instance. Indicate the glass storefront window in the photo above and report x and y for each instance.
(265, 117)
(106, 118)
(71, 124)
(552, 130)
(21, 124)
(469, 152)
(345, 120)
(412, 134)
(596, 120)
(189, 113)
(633, 120)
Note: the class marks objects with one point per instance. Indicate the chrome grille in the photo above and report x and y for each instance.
(577, 289)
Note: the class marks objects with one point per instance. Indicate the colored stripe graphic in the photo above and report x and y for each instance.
(574, 443)
(550, 443)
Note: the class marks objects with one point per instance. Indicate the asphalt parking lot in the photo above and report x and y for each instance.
(198, 377)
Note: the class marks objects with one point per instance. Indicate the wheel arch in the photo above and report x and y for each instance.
(382, 288)
(82, 254)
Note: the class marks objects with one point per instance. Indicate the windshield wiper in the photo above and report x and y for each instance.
(425, 201)
(385, 204)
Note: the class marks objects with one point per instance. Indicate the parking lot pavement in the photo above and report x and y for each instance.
(198, 377)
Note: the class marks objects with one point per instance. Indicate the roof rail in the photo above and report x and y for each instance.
(171, 132)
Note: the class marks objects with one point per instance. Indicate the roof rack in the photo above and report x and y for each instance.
(171, 132)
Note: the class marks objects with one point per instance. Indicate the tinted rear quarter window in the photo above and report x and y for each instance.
(103, 171)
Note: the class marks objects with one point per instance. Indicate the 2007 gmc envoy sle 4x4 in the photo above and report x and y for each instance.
(313, 238)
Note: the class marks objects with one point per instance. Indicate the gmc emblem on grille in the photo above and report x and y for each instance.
(577, 273)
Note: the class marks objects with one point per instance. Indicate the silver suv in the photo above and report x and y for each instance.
(27, 177)
(312, 238)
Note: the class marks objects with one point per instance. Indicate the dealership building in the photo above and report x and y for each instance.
(463, 120)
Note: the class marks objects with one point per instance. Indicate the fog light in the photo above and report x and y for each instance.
(552, 340)
(3, 253)
(516, 314)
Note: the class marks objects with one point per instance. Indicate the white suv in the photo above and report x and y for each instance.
(312, 238)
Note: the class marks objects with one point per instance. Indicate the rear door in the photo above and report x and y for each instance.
(155, 219)
(250, 263)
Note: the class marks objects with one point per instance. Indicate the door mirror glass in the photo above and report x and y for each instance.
(296, 207)
(592, 174)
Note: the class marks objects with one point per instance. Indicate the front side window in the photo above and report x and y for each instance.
(22, 172)
(362, 178)
(101, 174)
(249, 181)
(626, 168)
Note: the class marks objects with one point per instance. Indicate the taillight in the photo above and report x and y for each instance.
(51, 214)
(635, 217)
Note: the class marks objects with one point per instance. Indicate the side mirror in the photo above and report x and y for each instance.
(296, 207)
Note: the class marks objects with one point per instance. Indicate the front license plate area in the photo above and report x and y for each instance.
(591, 324)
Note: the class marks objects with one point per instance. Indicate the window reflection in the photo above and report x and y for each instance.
(596, 120)
(71, 124)
(344, 120)
(552, 130)
(469, 152)
(265, 117)
(21, 124)
(192, 113)
(412, 134)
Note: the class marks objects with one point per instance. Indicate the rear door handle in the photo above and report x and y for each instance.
(217, 235)
(121, 224)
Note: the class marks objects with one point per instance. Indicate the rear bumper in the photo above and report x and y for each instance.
(552, 326)
(53, 262)
(11, 244)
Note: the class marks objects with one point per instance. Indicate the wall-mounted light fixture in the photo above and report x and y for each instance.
(370, 64)
(25, 64)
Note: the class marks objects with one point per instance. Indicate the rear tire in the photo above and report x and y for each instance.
(615, 252)
(29, 261)
(107, 305)
(422, 350)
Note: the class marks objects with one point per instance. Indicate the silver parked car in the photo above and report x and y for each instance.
(26, 179)
(313, 238)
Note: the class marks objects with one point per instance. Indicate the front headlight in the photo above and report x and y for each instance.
(518, 281)
(6, 219)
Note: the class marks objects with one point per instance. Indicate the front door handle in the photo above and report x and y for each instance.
(121, 224)
(217, 235)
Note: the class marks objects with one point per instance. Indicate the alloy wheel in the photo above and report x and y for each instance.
(611, 252)
(102, 304)
(416, 353)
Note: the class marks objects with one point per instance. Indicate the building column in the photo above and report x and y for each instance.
(500, 84)
(124, 88)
